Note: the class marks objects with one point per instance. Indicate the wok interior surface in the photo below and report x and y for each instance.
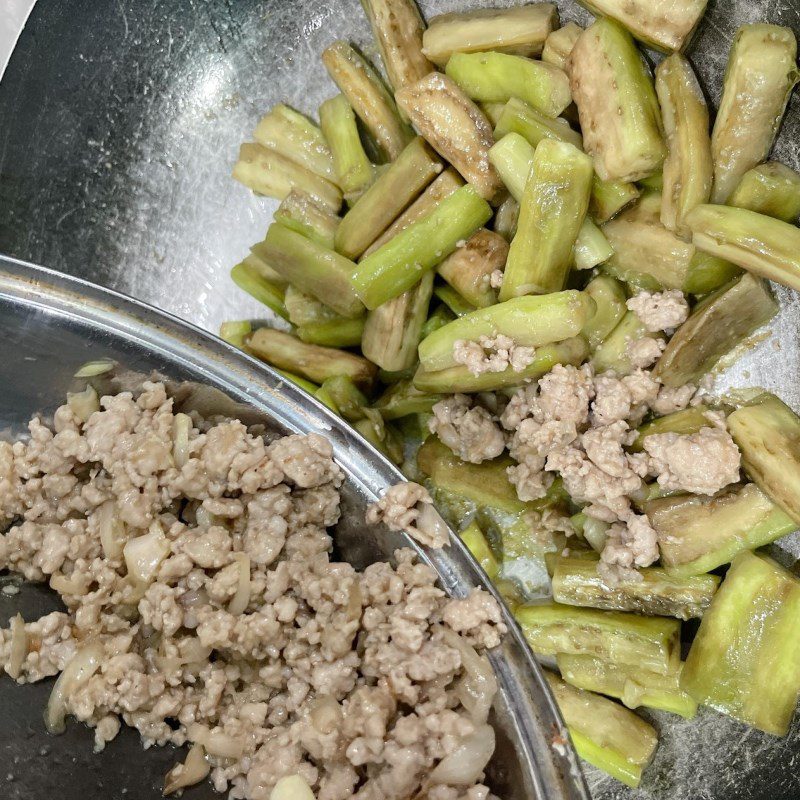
(121, 122)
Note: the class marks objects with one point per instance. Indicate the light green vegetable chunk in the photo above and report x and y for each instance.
(767, 432)
(633, 686)
(610, 301)
(296, 137)
(761, 74)
(772, 189)
(266, 292)
(613, 352)
(312, 268)
(387, 198)
(476, 542)
(497, 77)
(698, 534)
(235, 332)
(399, 264)
(352, 168)
(302, 213)
(743, 661)
(468, 269)
(559, 45)
(591, 247)
(518, 117)
(552, 210)
(604, 733)
(403, 399)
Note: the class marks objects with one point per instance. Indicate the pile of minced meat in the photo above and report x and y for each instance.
(202, 607)
(577, 424)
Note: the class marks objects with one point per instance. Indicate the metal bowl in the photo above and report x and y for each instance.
(51, 324)
(121, 122)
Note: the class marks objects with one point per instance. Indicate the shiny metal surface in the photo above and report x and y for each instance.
(120, 124)
(49, 326)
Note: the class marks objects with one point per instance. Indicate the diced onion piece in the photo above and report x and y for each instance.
(144, 554)
(223, 745)
(242, 597)
(192, 771)
(83, 404)
(19, 647)
(466, 763)
(292, 787)
(80, 668)
(68, 587)
(92, 369)
(478, 686)
(430, 522)
(113, 532)
(181, 428)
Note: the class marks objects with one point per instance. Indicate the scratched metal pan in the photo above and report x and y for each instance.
(51, 324)
(119, 124)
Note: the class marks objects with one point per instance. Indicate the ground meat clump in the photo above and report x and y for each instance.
(701, 463)
(202, 605)
(644, 352)
(660, 311)
(408, 507)
(496, 278)
(469, 431)
(628, 546)
(492, 354)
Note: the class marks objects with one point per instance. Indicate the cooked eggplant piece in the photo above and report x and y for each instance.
(604, 733)
(307, 310)
(352, 168)
(766, 246)
(468, 269)
(476, 542)
(520, 31)
(398, 265)
(269, 173)
(743, 661)
(519, 117)
(506, 219)
(497, 77)
(617, 103)
(611, 197)
(235, 332)
(351, 403)
(459, 379)
(303, 214)
(398, 29)
(312, 268)
(772, 189)
(633, 686)
(559, 44)
(438, 319)
(453, 300)
(368, 97)
(530, 321)
(392, 331)
(270, 293)
(612, 352)
(688, 170)
(650, 642)
(663, 24)
(698, 534)
(292, 135)
(577, 583)
(402, 400)
(341, 332)
(284, 351)
(767, 432)
(759, 79)
(552, 210)
(442, 187)
(715, 326)
(648, 256)
(591, 247)
(610, 301)
(455, 127)
(387, 198)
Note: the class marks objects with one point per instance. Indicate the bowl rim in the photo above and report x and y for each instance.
(554, 771)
